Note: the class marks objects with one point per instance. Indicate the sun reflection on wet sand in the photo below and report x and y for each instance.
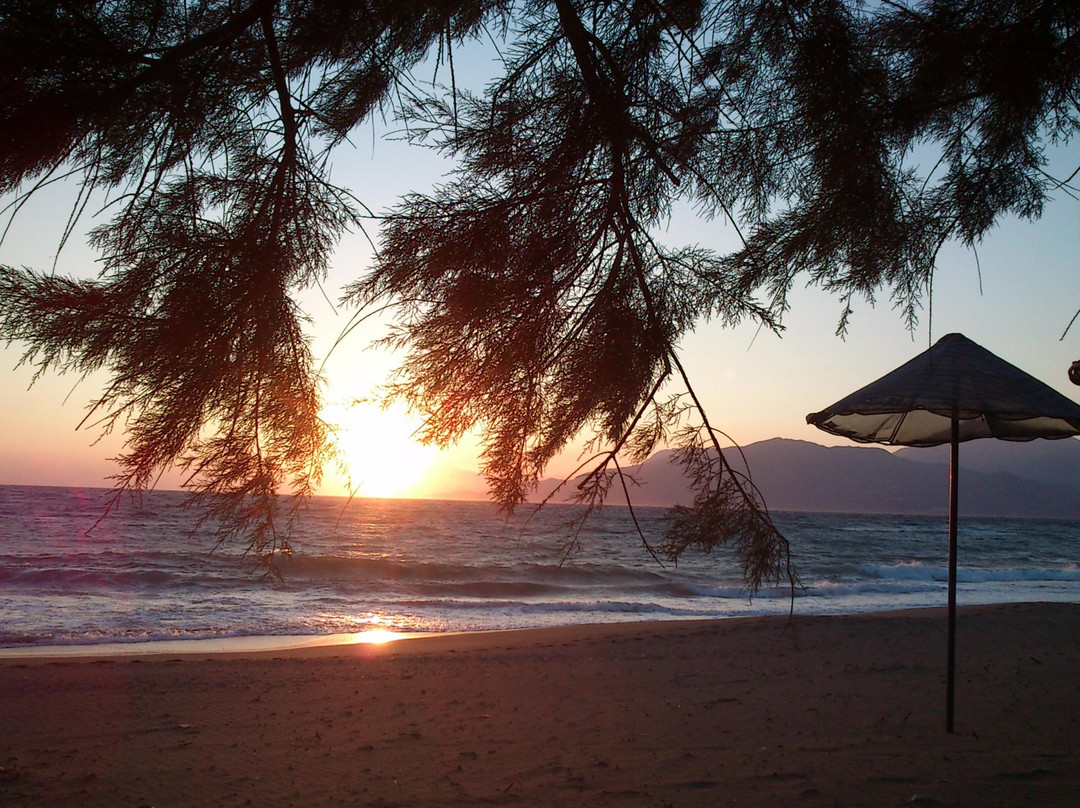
(216, 645)
(376, 636)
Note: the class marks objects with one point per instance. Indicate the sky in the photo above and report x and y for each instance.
(1014, 295)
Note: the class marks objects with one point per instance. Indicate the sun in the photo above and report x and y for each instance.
(380, 449)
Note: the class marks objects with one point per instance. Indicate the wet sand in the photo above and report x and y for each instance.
(821, 711)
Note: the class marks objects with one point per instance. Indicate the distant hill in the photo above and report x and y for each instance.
(1048, 461)
(997, 478)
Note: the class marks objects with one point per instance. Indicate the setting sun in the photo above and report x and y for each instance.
(379, 447)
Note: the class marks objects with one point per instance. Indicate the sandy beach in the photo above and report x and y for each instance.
(821, 711)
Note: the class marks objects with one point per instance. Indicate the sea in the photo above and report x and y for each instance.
(74, 579)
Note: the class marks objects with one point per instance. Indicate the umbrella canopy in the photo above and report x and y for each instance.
(953, 392)
(915, 404)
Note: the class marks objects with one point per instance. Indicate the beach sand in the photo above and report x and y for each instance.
(824, 711)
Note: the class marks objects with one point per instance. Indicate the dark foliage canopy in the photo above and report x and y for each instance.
(845, 142)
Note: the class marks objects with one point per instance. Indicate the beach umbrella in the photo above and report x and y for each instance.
(953, 392)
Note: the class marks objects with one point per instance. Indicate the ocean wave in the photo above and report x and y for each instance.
(599, 607)
(68, 579)
(103, 636)
(9, 639)
(915, 571)
(1053, 575)
(842, 589)
(733, 591)
(102, 578)
(302, 566)
(491, 589)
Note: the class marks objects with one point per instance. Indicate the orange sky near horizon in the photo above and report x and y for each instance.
(755, 385)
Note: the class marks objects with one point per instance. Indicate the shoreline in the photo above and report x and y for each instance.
(324, 644)
(844, 710)
(253, 646)
(237, 645)
(330, 644)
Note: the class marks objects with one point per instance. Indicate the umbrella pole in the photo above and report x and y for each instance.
(954, 473)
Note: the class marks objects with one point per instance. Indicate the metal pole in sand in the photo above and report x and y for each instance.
(954, 473)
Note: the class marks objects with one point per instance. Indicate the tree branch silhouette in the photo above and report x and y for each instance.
(534, 298)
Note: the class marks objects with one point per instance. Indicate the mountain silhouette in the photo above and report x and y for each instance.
(1032, 479)
(1049, 461)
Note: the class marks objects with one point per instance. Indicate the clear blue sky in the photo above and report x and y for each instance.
(755, 385)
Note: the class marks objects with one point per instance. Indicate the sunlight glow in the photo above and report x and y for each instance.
(383, 456)
(375, 636)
